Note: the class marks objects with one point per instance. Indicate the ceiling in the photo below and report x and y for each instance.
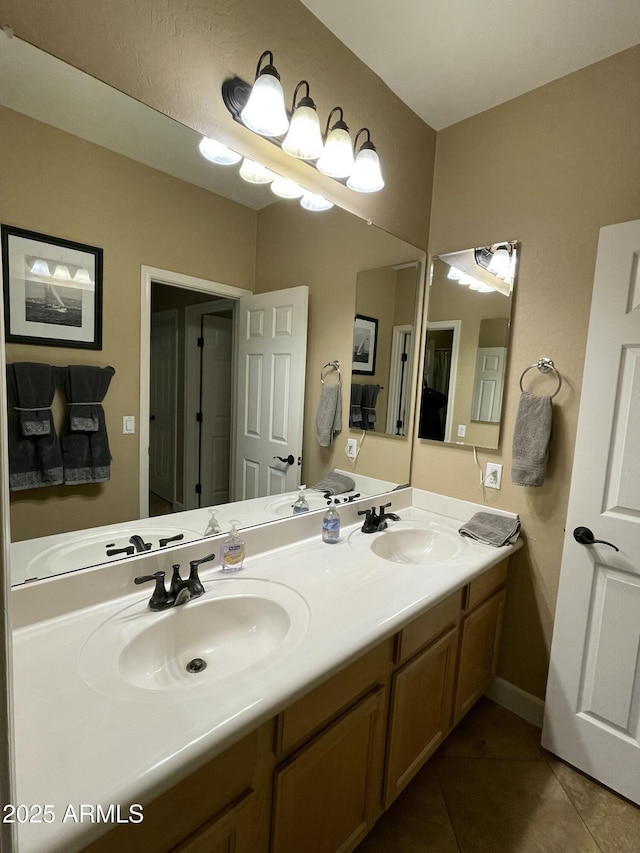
(451, 59)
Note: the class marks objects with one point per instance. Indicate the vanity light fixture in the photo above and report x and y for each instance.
(62, 272)
(285, 188)
(261, 108)
(454, 274)
(314, 202)
(265, 112)
(303, 139)
(38, 266)
(336, 159)
(82, 276)
(216, 152)
(256, 173)
(366, 176)
(502, 263)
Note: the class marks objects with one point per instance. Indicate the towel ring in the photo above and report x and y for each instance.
(334, 365)
(544, 365)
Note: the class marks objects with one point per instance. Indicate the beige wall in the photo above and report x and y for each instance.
(138, 216)
(549, 169)
(175, 56)
(327, 258)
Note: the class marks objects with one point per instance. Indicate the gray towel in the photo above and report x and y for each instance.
(329, 415)
(35, 457)
(85, 446)
(335, 484)
(531, 438)
(369, 398)
(355, 410)
(492, 529)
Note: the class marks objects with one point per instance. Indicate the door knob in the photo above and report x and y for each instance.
(289, 460)
(585, 537)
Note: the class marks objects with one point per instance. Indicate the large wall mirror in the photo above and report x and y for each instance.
(467, 345)
(84, 162)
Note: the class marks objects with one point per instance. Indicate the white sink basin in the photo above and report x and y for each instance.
(82, 550)
(238, 625)
(412, 543)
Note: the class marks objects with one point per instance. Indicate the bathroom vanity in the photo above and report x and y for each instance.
(362, 666)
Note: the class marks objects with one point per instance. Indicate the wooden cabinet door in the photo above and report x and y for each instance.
(479, 646)
(421, 698)
(327, 796)
(228, 832)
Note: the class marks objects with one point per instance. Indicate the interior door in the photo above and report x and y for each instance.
(592, 710)
(488, 384)
(162, 404)
(272, 354)
(215, 408)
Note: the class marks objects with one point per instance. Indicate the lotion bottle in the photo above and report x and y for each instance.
(301, 504)
(233, 550)
(331, 525)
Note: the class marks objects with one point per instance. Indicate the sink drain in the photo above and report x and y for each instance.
(196, 665)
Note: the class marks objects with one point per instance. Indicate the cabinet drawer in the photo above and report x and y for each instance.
(427, 627)
(324, 703)
(483, 586)
(227, 832)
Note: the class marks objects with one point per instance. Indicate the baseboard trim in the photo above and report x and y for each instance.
(517, 700)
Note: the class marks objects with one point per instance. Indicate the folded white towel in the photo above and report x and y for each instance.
(329, 416)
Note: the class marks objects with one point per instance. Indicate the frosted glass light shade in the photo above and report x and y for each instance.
(82, 276)
(40, 267)
(255, 173)
(285, 188)
(336, 159)
(265, 112)
(466, 279)
(366, 176)
(62, 272)
(315, 202)
(304, 139)
(216, 152)
(454, 274)
(501, 265)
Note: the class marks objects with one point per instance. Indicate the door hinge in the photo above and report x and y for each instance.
(198, 488)
(201, 342)
(199, 417)
(404, 356)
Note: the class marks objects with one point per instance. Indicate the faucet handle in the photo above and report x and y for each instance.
(194, 580)
(168, 539)
(160, 599)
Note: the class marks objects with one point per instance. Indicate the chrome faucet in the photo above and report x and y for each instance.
(180, 591)
(375, 522)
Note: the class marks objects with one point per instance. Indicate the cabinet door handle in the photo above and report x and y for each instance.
(585, 537)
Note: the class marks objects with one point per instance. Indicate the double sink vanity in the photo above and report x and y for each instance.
(284, 709)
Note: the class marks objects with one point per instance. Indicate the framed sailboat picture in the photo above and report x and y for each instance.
(365, 341)
(52, 290)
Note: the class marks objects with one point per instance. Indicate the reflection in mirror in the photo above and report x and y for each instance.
(467, 343)
(383, 347)
(151, 205)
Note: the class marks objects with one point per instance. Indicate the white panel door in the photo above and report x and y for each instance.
(488, 385)
(592, 710)
(215, 407)
(272, 355)
(162, 404)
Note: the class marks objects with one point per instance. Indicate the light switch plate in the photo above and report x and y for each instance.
(128, 425)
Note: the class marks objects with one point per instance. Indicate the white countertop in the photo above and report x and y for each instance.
(75, 745)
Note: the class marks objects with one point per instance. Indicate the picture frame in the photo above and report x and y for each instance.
(52, 290)
(365, 342)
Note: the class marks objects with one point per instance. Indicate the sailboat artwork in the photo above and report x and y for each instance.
(365, 336)
(52, 300)
(46, 302)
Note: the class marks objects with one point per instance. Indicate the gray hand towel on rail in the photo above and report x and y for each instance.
(531, 437)
(491, 529)
(335, 483)
(369, 398)
(85, 445)
(329, 415)
(35, 457)
(355, 409)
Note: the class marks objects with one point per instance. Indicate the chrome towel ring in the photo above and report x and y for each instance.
(333, 365)
(544, 365)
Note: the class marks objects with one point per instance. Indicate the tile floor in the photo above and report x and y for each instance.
(491, 788)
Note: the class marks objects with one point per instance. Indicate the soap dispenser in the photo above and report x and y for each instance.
(213, 525)
(301, 504)
(233, 550)
(331, 524)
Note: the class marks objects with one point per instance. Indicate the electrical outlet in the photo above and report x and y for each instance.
(351, 448)
(493, 475)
